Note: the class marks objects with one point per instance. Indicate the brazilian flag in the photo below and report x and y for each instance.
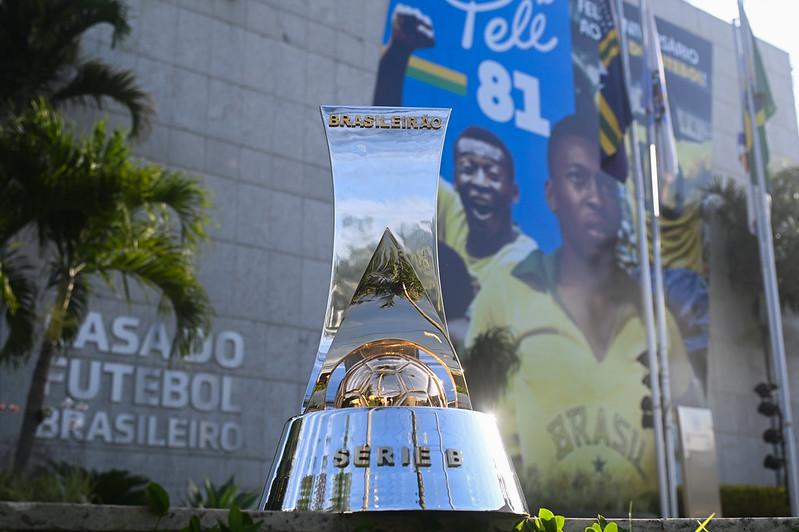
(757, 82)
(615, 114)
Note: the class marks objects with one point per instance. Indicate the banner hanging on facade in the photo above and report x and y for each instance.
(540, 293)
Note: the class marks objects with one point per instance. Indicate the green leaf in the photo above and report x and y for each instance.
(548, 521)
(545, 514)
(95, 81)
(593, 528)
(157, 499)
(18, 294)
(234, 519)
(193, 526)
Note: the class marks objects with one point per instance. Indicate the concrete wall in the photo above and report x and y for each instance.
(237, 85)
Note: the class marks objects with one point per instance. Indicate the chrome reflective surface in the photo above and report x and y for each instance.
(387, 422)
(307, 477)
(384, 279)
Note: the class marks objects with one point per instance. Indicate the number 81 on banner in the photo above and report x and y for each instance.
(495, 99)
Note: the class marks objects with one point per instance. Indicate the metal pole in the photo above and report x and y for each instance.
(646, 279)
(662, 332)
(770, 283)
(660, 311)
(753, 205)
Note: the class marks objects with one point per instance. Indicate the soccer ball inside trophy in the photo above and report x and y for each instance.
(390, 379)
(387, 423)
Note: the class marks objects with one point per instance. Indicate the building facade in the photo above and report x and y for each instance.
(237, 86)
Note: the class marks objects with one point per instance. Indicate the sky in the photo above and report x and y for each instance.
(773, 21)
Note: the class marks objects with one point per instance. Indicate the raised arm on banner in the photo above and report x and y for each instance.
(411, 30)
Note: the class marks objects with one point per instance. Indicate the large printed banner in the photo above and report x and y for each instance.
(541, 295)
(504, 67)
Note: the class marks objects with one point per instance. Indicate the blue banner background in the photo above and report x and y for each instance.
(553, 69)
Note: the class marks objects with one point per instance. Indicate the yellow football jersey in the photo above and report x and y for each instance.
(681, 239)
(453, 230)
(572, 420)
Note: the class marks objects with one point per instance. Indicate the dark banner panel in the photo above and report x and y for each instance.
(688, 61)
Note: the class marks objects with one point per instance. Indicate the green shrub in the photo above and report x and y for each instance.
(62, 482)
(227, 495)
(45, 485)
(754, 501)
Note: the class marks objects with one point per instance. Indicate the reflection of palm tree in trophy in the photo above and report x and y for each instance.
(385, 266)
(389, 275)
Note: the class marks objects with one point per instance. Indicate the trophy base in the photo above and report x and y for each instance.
(393, 459)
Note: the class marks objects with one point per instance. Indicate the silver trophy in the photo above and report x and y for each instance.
(386, 421)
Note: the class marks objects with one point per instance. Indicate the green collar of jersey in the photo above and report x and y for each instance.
(538, 270)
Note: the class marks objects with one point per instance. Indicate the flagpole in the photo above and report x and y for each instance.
(660, 312)
(646, 279)
(662, 332)
(770, 279)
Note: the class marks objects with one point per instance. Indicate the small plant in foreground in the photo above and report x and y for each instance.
(237, 521)
(545, 521)
(602, 525)
(225, 496)
(63, 482)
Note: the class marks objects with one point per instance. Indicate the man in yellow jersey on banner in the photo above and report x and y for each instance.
(475, 211)
(475, 217)
(576, 414)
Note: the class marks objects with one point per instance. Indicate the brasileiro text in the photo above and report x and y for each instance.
(384, 122)
(133, 397)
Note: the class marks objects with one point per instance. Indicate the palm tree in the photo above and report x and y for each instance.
(18, 301)
(742, 249)
(93, 212)
(488, 364)
(40, 40)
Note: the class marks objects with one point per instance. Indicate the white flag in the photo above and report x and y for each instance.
(656, 101)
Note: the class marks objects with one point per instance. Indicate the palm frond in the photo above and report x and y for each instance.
(741, 249)
(494, 357)
(66, 20)
(743, 258)
(50, 179)
(100, 212)
(94, 81)
(41, 44)
(18, 301)
(158, 261)
(186, 198)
